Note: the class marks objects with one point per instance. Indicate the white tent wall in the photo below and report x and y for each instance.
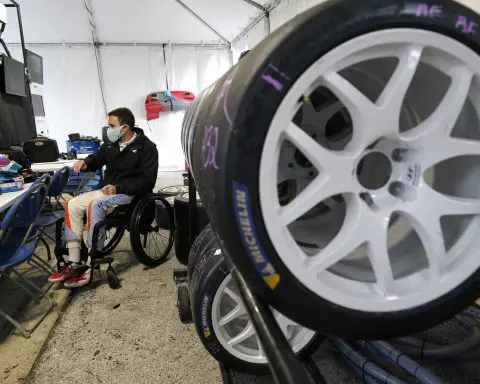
(283, 12)
(73, 99)
(130, 73)
(72, 95)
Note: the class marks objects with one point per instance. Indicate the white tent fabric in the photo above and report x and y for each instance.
(286, 10)
(73, 99)
(131, 35)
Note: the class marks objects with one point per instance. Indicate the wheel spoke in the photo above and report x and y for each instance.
(443, 120)
(285, 324)
(363, 112)
(378, 256)
(249, 331)
(235, 313)
(353, 233)
(449, 148)
(233, 296)
(427, 225)
(392, 97)
(350, 96)
(445, 205)
(323, 187)
(320, 157)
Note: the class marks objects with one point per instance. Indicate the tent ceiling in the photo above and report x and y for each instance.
(130, 21)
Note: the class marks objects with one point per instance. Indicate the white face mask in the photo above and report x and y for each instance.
(114, 134)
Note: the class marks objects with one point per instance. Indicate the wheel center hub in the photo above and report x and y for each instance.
(374, 171)
(389, 174)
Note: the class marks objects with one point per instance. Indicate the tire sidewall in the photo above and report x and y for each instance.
(324, 28)
(202, 309)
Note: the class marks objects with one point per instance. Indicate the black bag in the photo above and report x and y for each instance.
(41, 150)
(16, 154)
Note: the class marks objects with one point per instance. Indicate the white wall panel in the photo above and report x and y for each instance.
(73, 101)
(71, 92)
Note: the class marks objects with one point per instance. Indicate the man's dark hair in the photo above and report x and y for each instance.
(124, 115)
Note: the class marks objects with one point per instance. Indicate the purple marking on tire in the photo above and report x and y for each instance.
(427, 10)
(467, 26)
(210, 147)
(275, 83)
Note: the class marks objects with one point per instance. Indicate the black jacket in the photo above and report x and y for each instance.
(132, 171)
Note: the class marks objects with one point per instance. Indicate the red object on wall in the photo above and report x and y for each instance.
(153, 107)
(165, 101)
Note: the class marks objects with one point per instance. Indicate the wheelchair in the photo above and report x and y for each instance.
(149, 221)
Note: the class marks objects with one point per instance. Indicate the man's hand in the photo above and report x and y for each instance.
(109, 190)
(79, 166)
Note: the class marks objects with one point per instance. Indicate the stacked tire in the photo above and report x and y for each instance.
(220, 316)
(169, 193)
(365, 68)
(182, 225)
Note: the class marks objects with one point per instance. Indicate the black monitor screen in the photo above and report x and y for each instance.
(14, 77)
(35, 66)
(38, 109)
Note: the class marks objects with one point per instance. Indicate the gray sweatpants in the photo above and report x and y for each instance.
(96, 205)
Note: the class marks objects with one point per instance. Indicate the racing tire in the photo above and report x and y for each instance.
(182, 213)
(173, 190)
(234, 117)
(162, 215)
(182, 246)
(208, 275)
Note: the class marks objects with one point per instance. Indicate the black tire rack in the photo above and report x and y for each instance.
(284, 366)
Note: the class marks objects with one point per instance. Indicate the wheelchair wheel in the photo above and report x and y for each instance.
(151, 242)
(113, 236)
(112, 278)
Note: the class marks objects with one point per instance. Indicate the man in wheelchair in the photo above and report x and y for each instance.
(131, 162)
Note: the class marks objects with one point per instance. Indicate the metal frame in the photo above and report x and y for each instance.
(285, 367)
(89, 10)
(194, 14)
(14, 4)
(264, 15)
(120, 44)
(256, 5)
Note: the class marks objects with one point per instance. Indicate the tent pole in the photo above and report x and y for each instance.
(268, 27)
(255, 4)
(126, 44)
(194, 14)
(257, 20)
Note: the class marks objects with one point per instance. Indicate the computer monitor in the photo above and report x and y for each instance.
(38, 108)
(35, 66)
(14, 82)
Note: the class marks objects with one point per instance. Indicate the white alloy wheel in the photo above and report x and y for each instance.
(235, 331)
(403, 230)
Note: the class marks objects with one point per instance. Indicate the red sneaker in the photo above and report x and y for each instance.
(79, 281)
(62, 275)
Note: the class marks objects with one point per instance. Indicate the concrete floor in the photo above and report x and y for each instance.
(131, 335)
(17, 354)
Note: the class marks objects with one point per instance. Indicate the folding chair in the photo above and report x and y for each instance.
(18, 240)
(49, 214)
